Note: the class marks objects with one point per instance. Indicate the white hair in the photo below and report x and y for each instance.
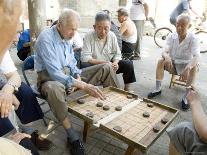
(185, 17)
(67, 15)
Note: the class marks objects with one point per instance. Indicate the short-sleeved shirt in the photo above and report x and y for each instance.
(7, 64)
(92, 48)
(182, 53)
(184, 5)
(137, 11)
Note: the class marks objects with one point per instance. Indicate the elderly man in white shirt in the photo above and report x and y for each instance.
(180, 57)
(100, 46)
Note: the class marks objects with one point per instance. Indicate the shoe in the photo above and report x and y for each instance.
(39, 142)
(153, 94)
(76, 148)
(184, 106)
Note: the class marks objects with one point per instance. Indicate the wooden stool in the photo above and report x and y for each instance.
(175, 79)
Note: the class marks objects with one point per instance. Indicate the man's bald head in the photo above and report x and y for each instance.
(68, 16)
(182, 24)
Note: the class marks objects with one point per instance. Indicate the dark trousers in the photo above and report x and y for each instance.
(27, 143)
(125, 66)
(24, 53)
(29, 109)
(127, 48)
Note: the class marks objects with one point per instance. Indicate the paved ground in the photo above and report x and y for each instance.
(100, 143)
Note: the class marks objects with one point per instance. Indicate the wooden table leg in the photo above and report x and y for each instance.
(85, 130)
(130, 150)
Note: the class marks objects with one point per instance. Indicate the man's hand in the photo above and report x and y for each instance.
(115, 66)
(73, 89)
(6, 100)
(17, 137)
(184, 74)
(193, 97)
(94, 91)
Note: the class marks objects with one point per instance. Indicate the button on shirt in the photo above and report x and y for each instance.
(183, 52)
(54, 54)
(93, 48)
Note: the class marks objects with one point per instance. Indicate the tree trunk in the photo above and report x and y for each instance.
(37, 18)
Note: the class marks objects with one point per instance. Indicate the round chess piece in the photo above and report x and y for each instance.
(106, 107)
(146, 114)
(117, 128)
(99, 104)
(118, 108)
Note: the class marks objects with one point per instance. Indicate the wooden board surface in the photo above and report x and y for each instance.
(137, 130)
(114, 97)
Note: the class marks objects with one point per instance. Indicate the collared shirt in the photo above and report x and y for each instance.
(92, 48)
(182, 53)
(137, 11)
(54, 54)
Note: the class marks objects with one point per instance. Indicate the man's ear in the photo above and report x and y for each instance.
(94, 26)
(189, 25)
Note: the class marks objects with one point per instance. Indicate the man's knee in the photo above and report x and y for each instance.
(52, 87)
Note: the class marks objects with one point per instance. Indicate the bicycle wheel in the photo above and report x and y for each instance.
(160, 36)
(202, 35)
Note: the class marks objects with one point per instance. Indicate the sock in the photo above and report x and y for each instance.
(158, 85)
(27, 129)
(72, 135)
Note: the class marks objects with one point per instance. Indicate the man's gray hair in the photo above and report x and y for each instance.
(122, 12)
(185, 17)
(67, 15)
(102, 16)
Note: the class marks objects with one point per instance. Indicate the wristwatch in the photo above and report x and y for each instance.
(14, 86)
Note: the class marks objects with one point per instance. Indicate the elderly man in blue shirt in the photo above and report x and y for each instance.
(57, 72)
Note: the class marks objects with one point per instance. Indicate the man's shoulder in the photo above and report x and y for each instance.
(46, 34)
(90, 34)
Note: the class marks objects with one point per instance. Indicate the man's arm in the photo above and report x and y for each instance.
(123, 28)
(198, 115)
(146, 10)
(6, 93)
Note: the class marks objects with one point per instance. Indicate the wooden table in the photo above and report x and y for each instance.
(137, 131)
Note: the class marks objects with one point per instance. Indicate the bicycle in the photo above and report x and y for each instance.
(161, 34)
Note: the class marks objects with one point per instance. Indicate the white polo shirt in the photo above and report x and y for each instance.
(7, 64)
(137, 10)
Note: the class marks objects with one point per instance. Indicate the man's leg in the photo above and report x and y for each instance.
(56, 96)
(186, 140)
(5, 126)
(190, 81)
(140, 30)
(127, 68)
(161, 67)
(101, 74)
(29, 111)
